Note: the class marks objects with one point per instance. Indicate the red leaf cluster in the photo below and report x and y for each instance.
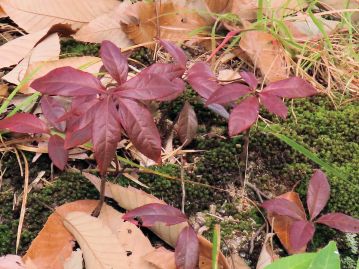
(301, 229)
(187, 245)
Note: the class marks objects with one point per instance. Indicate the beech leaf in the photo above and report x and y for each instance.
(318, 193)
(24, 123)
(228, 93)
(151, 213)
(284, 207)
(140, 128)
(274, 104)
(294, 87)
(187, 124)
(340, 222)
(68, 81)
(243, 116)
(57, 152)
(114, 61)
(106, 133)
(301, 232)
(11, 262)
(187, 249)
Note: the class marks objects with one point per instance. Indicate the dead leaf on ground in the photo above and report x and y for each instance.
(75, 261)
(88, 63)
(53, 245)
(267, 255)
(36, 15)
(11, 262)
(107, 27)
(282, 224)
(15, 50)
(266, 53)
(304, 29)
(187, 124)
(236, 262)
(161, 258)
(342, 4)
(89, 231)
(47, 50)
(4, 90)
(176, 23)
(2, 13)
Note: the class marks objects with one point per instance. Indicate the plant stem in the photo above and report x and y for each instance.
(98, 208)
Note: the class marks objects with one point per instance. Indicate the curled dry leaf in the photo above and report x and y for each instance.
(107, 27)
(267, 255)
(176, 23)
(53, 245)
(266, 54)
(35, 15)
(11, 262)
(47, 50)
(15, 50)
(89, 231)
(187, 124)
(87, 63)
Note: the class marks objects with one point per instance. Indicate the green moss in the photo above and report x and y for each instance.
(68, 188)
(71, 47)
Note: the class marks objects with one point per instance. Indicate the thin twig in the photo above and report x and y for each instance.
(183, 185)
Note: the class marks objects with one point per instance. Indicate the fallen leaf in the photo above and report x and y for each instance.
(53, 245)
(304, 29)
(282, 224)
(106, 27)
(75, 260)
(15, 50)
(4, 90)
(11, 262)
(267, 255)
(2, 13)
(176, 23)
(89, 231)
(187, 124)
(342, 4)
(219, 6)
(36, 15)
(46, 50)
(161, 258)
(205, 255)
(87, 63)
(266, 54)
(236, 262)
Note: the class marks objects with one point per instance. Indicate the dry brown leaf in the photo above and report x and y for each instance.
(187, 124)
(53, 245)
(91, 64)
(100, 246)
(15, 50)
(342, 4)
(2, 13)
(47, 50)
(205, 255)
(236, 262)
(161, 258)
(4, 90)
(75, 261)
(304, 29)
(176, 22)
(219, 6)
(106, 27)
(35, 15)
(11, 262)
(281, 224)
(267, 255)
(266, 53)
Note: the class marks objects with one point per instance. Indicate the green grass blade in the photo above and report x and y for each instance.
(216, 244)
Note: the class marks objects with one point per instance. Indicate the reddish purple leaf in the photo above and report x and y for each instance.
(53, 111)
(140, 128)
(294, 87)
(75, 123)
(68, 81)
(301, 232)
(187, 249)
(106, 133)
(318, 193)
(274, 104)
(284, 207)
(114, 61)
(340, 222)
(153, 87)
(250, 79)
(57, 152)
(24, 123)
(78, 137)
(176, 52)
(243, 115)
(228, 93)
(151, 213)
(187, 124)
(202, 79)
